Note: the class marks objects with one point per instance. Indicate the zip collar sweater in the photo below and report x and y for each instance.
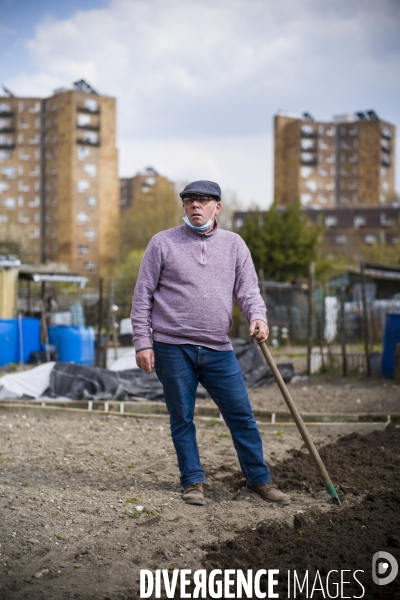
(186, 288)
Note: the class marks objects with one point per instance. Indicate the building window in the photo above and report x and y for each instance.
(307, 130)
(384, 221)
(9, 203)
(4, 154)
(90, 234)
(370, 238)
(82, 217)
(84, 120)
(330, 159)
(89, 265)
(34, 141)
(83, 152)
(386, 133)
(385, 161)
(35, 108)
(91, 201)
(90, 170)
(35, 202)
(331, 221)
(341, 239)
(7, 140)
(4, 107)
(4, 186)
(307, 144)
(331, 131)
(308, 158)
(22, 187)
(22, 219)
(238, 223)
(359, 221)
(306, 172)
(91, 137)
(82, 249)
(311, 185)
(82, 185)
(91, 104)
(35, 233)
(3, 218)
(305, 199)
(330, 186)
(8, 171)
(20, 106)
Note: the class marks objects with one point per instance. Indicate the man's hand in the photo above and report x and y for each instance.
(263, 331)
(145, 360)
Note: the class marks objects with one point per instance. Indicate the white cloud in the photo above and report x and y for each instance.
(205, 77)
(242, 163)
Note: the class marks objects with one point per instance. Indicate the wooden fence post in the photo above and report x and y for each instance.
(310, 316)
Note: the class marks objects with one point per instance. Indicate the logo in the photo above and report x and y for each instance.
(384, 563)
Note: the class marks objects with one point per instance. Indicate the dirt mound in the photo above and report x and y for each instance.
(343, 538)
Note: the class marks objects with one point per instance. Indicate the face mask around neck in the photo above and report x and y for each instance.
(200, 227)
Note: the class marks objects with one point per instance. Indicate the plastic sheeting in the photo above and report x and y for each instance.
(32, 383)
(79, 382)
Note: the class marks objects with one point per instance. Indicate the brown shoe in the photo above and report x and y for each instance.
(194, 494)
(270, 493)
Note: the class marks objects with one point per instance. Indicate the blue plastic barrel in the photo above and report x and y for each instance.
(391, 338)
(8, 341)
(73, 343)
(30, 338)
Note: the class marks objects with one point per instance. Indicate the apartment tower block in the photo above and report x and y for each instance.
(344, 163)
(59, 188)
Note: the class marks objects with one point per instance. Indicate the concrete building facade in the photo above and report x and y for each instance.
(347, 162)
(59, 175)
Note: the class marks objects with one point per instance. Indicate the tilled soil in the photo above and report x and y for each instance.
(86, 503)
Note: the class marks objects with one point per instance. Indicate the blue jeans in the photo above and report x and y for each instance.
(180, 368)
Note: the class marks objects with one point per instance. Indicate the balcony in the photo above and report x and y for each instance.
(89, 127)
(87, 142)
(85, 109)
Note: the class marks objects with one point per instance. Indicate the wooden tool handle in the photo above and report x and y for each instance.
(296, 415)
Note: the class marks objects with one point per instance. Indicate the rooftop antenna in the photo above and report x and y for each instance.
(7, 91)
(83, 86)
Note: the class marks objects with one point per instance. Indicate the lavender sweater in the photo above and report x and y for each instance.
(186, 286)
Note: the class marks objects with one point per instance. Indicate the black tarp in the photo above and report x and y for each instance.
(80, 382)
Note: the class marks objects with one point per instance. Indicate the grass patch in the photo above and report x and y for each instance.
(224, 435)
(133, 500)
(131, 466)
(280, 432)
(212, 422)
(77, 567)
(78, 471)
(146, 511)
(25, 484)
(108, 458)
(59, 537)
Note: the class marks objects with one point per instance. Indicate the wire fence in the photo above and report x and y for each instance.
(334, 320)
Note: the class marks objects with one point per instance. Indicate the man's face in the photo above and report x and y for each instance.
(199, 211)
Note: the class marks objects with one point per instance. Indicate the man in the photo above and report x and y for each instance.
(187, 283)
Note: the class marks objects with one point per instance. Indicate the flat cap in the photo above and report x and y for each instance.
(202, 188)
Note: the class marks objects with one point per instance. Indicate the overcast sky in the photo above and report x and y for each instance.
(198, 81)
